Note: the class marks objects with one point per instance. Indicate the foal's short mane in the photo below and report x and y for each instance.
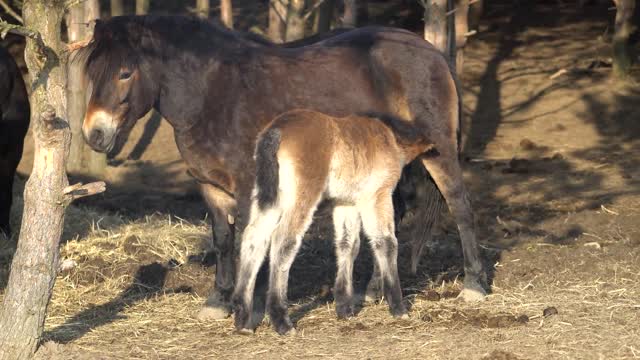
(125, 40)
(406, 133)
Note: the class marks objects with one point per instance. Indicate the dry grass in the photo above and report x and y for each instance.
(125, 299)
(105, 307)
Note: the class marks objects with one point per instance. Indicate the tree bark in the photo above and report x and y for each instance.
(461, 29)
(203, 8)
(323, 16)
(76, 93)
(226, 13)
(475, 13)
(277, 20)
(35, 262)
(435, 24)
(350, 14)
(142, 7)
(622, 59)
(117, 8)
(295, 20)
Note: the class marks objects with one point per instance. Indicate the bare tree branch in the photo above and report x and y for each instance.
(283, 17)
(451, 12)
(6, 28)
(69, 3)
(10, 11)
(313, 9)
(79, 190)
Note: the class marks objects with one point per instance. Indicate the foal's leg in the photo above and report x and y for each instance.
(346, 221)
(222, 209)
(446, 172)
(284, 247)
(377, 221)
(255, 241)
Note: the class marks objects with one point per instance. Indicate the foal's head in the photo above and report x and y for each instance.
(122, 86)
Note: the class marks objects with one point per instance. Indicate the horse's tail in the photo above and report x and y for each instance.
(267, 168)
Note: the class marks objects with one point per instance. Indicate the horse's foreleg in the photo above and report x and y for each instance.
(346, 221)
(446, 172)
(222, 210)
(7, 172)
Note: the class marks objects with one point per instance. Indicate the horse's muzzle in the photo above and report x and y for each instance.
(99, 131)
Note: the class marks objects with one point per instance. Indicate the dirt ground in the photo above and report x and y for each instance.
(554, 171)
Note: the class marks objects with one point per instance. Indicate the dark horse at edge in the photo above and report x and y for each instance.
(14, 123)
(219, 88)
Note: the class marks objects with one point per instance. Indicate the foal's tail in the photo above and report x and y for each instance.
(267, 168)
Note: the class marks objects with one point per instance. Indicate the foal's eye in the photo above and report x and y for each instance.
(125, 75)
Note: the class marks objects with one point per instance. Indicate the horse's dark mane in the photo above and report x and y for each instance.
(124, 40)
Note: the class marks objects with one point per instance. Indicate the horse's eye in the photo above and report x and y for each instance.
(125, 75)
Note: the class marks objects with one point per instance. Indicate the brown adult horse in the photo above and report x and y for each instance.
(14, 122)
(219, 88)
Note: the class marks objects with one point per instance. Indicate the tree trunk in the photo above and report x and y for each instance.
(142, 7)
(435, 24)
(475, 13)
(277, 20)
(35, 262)
(350, 15)
(76, 93)
(295, 21)
(96, 162)
(323, 16)
(117, 8)
(226, 13)
(203, 8)
(363, 12)
(623, 28)
(461, 30)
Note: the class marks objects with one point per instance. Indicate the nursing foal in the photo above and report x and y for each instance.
(303, 157)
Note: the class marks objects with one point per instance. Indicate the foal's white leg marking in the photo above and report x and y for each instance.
(253, 249)
(346, 222)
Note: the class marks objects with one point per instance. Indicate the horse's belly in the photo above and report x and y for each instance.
(207, 168)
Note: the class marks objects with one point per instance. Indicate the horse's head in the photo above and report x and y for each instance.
(120, 78)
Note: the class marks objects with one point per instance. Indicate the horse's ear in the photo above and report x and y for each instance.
(100, 31)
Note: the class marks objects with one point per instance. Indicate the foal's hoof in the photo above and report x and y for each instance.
(245, 332)
(208, 313)
(344, 311)
(472, 294)
(373, 294)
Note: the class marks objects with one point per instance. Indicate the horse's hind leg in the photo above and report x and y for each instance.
(346, 221)
(429, 205)
(253, 250)
(378, 224)
(222, 209)
(446, 172)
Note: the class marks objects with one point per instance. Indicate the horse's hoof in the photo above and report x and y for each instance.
(291, 332)
(208, 313)
(472, 294)
(404, 316)
(245, 331)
